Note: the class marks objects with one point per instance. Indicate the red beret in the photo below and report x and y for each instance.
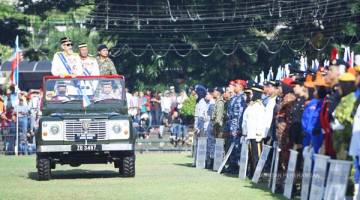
(241, 82)
(288, 81)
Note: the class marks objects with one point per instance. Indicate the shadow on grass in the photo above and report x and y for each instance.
(77, 174)
(230, 175)
(263, 187)
(185, 165)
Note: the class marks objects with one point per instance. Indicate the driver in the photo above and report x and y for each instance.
(107, 91)
(61, 92)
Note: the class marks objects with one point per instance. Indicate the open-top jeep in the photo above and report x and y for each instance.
(85, 121)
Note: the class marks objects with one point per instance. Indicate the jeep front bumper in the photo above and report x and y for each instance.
(68, 148)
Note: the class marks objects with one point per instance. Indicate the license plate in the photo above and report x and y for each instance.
(86, 147)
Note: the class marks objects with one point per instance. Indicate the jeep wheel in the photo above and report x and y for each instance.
(127, 169)
(44, 169)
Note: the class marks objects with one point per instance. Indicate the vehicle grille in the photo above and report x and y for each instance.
(73, 128)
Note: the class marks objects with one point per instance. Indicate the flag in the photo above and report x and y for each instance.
(351, 62)
(347, 54)
(302, 64)
(326, 63)
(15, 60)
(270, 75)
(286, 70)
(256, 80)
(334, 54)
(262, 78)
(312, 65)
(279, 74)
(81, 90)
(317, 64)
(86, 101)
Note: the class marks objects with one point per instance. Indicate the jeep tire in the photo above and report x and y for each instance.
(43, 168)
(127, 167)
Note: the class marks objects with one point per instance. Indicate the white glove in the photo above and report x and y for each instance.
(336, 125)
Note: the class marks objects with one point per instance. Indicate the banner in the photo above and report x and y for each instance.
(201, 152)
(337, 179)
(306, 174)
(244, 157)
(318, 178)
(219, 153)
(226, 157)
(290, 174)
(272, 163)
(261, 163)
(276, 167)
(194, 150)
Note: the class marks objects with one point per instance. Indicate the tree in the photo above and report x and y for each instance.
(143, 35)
(262, 28)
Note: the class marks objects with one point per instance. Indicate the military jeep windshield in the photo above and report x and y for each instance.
(91, 92)
(95, 89)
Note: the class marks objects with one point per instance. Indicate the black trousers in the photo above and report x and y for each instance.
(255, 149)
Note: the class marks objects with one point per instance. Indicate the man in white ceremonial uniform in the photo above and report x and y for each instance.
(90, 67)
(89, 63)
(66, 62)
(253, 127)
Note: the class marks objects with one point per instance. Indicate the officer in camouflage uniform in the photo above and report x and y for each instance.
(217, 117)
(106, 66)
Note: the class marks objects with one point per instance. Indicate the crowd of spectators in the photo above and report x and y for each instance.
(157, 112)
(27, 106)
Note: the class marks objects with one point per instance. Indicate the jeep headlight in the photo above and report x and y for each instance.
(52, 130)
(118, 129)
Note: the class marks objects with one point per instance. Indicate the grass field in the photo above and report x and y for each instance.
(159, 176)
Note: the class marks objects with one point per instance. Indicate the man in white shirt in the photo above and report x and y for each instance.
(34, 106)
(128, 100)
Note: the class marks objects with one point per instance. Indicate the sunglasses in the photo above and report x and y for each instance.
(68, 44)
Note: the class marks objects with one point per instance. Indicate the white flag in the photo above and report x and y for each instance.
(278, 74)
(262, 78)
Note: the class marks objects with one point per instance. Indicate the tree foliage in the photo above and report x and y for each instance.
(39, 24)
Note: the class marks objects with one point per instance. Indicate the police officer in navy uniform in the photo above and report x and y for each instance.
(236, 108)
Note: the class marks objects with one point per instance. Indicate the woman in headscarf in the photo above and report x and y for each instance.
(200, 115)
(200, 110)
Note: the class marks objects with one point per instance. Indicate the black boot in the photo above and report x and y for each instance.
(208, 164)
(211, 163)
